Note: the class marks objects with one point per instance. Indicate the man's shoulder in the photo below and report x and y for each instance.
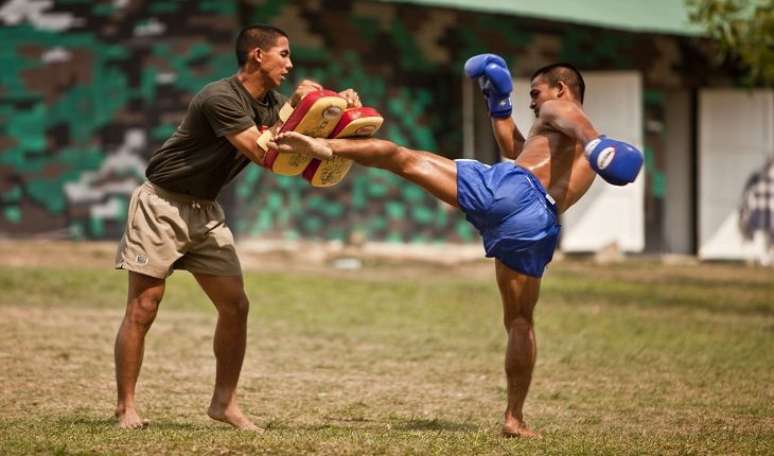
(219, 88)
(220, 85)
(556, 106)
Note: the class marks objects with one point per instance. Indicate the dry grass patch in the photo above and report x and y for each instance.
(401, 359)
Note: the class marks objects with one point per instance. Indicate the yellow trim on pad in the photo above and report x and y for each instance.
(318, 122)
(331, 172)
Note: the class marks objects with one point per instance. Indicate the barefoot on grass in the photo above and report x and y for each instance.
(129, 419)
(516, 429)
(233, 416)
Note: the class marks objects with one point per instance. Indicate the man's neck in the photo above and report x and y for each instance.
(253, 84)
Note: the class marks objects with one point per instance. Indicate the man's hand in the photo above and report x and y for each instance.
(353, 99)
(617, 162)
(495, 81)
(305, 87)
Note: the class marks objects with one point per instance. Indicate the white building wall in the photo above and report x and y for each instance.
(736, 135)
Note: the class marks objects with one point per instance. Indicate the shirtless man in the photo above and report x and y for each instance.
(514, 206)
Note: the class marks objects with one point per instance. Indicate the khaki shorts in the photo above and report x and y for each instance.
(167, 231)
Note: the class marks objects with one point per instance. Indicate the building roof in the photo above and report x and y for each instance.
(651, 16)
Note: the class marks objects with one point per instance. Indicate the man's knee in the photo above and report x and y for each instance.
(236, 307)
(242, 306)
(518, 324)
(414, 165)
(143, 309)
(519, 358)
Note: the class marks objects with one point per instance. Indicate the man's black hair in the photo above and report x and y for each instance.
(563, 72)
(256, 36)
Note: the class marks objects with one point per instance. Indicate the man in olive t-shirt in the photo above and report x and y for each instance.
(174, 222)
(198, 159)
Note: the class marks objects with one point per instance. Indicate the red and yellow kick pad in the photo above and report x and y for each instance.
(316, 115)
(355, 122)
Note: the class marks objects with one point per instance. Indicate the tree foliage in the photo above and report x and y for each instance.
(742, 29)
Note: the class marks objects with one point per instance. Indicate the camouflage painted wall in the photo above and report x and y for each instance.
(90, 88)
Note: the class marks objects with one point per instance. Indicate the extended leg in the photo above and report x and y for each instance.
(227, 293)
(143, 300)
(519, 295)
(434, 173)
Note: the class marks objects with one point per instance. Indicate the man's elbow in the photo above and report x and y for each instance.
(513, 155)
(515, 150)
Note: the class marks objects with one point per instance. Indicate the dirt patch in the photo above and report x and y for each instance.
(383, 260)
(277, 256)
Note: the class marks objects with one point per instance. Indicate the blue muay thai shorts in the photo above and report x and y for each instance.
(513, 212)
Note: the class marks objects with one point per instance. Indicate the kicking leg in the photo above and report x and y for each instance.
(434, 173)
(227, 293)
(519, 295)
(142, 304)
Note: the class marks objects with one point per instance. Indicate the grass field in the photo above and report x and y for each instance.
(634, 358)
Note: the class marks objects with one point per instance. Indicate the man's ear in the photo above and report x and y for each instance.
(257, 55)
(562, 89)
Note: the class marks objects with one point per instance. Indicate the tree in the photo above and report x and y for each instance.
(743, 29)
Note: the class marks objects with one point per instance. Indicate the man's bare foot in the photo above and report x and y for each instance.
(233, 416)
(514, 428)
(129, 419)
(291, 141)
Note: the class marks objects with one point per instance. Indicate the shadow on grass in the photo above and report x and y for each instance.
(415, 424)
(363, 424)
(160, 425)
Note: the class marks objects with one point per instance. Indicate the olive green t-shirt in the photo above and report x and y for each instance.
(198, 160)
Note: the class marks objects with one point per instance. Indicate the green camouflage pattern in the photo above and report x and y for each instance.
(90, 88)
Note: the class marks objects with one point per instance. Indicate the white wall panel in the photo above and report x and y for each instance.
(736, 128)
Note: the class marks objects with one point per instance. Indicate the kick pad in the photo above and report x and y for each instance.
(355, 122)
(316, 115)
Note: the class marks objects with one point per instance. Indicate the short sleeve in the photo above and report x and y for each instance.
(268, 114)
(225, 115)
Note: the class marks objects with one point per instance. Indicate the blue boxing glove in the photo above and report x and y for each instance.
(616, 161)
(495, 82)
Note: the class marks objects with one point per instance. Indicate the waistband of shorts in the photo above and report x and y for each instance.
(537, 185)
(172, 196)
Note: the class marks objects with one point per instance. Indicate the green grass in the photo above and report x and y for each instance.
(634, 358)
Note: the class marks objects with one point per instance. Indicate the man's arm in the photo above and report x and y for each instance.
(616, 162)
(508, 137)
(246, 142)
(491, 72)
(568, 119)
